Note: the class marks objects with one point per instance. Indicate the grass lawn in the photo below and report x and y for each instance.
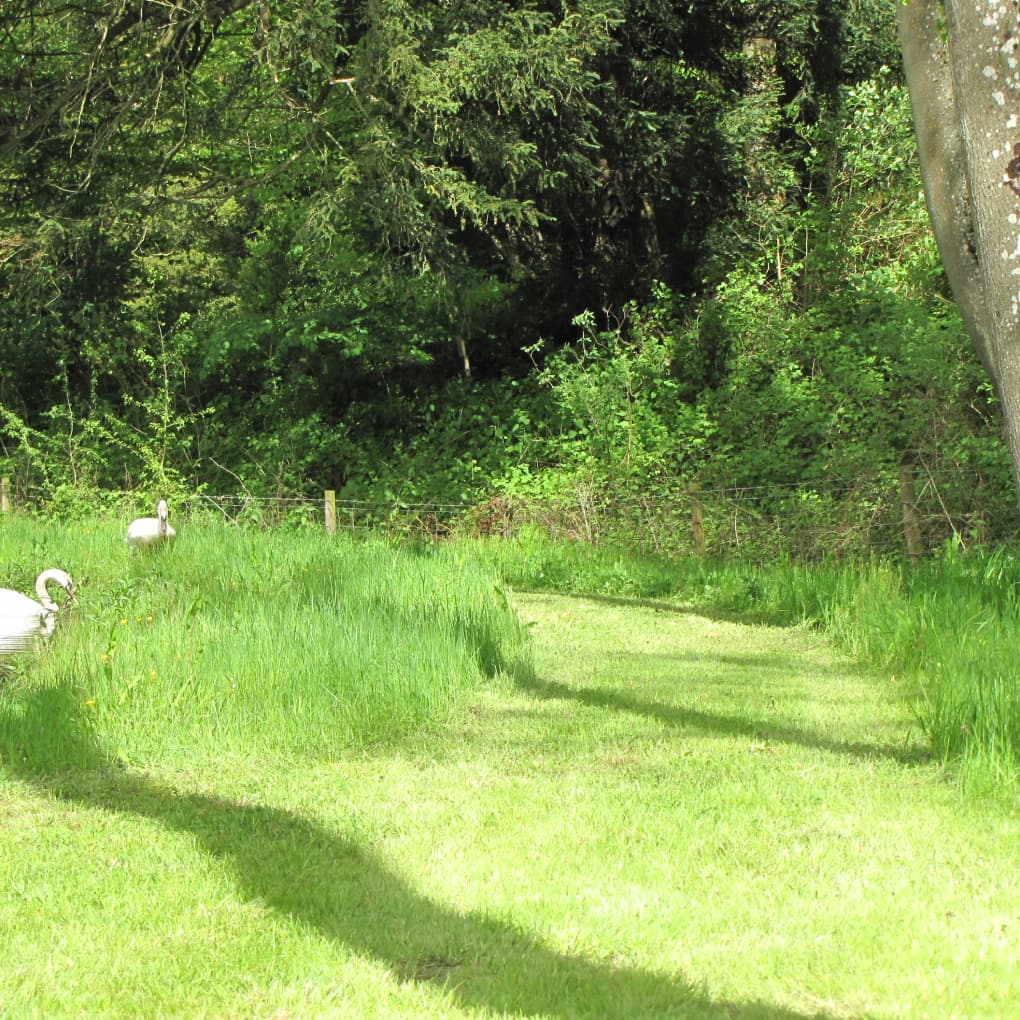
(672, 816)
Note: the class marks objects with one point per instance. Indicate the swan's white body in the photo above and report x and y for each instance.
(149, 531)
(23, 621)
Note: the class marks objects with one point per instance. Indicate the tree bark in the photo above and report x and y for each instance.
(961, 60)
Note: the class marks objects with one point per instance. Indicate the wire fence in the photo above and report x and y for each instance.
(846, 519)
(909, 515)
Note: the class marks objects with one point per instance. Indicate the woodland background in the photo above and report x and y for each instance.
(606, 266)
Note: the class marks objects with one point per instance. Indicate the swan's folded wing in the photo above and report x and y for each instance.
(21, 631)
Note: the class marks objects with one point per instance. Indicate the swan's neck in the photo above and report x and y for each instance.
(44, 596)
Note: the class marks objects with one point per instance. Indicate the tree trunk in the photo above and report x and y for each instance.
(961, 63)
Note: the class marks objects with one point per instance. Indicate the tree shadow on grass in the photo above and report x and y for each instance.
(669, 606)
(711, 722)
(716, 722)
(345, 892)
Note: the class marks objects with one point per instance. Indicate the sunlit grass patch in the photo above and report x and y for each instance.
(942, 632)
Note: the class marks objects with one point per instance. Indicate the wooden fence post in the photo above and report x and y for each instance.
(908, 505)
(330, 507)
(697, 522)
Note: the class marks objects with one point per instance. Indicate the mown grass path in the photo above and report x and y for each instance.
(800, 849)
(673, 816)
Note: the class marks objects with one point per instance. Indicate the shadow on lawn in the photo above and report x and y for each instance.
(343, 891)
(717, 722)
(668, 606)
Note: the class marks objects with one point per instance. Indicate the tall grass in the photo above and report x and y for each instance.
(234, 641)
(785, 593)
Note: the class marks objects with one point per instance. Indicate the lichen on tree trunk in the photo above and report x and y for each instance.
(961, 61)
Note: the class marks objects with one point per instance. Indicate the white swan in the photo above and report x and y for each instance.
(23, 621)
(149, 531)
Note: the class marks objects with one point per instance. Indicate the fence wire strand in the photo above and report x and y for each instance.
(841, 516)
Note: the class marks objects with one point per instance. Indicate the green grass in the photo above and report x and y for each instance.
(239, 641)
(650, 812)
(945, 629)
(671, 816)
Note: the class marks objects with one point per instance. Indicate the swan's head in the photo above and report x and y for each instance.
(64, 580)
(162, 513)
